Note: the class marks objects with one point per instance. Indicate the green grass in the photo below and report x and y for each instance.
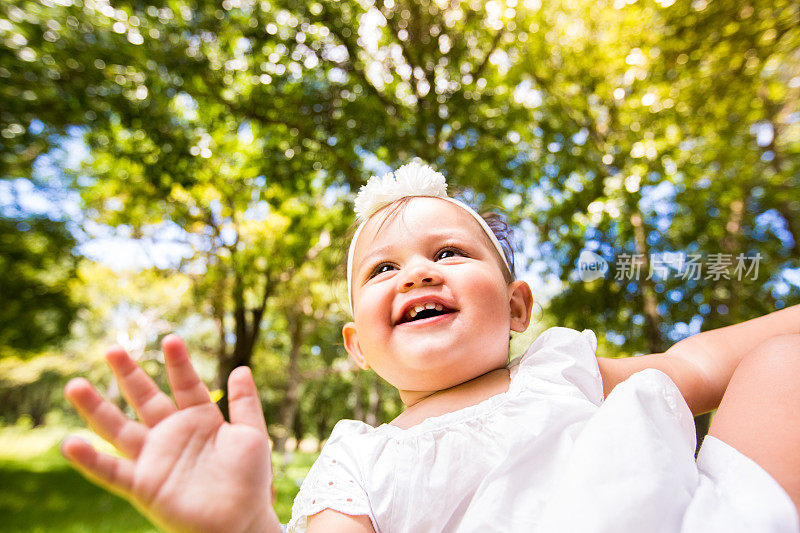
(40, 492)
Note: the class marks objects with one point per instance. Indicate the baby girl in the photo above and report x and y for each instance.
(556, 440)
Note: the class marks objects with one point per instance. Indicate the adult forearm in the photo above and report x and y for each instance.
(715, 354)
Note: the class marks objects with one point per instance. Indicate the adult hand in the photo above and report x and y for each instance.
(183, 465)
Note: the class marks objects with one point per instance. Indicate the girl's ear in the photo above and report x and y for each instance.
(521, 303)
(350, 336)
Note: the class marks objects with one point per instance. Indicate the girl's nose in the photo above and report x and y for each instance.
(419, 276)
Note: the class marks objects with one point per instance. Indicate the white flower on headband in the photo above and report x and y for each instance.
(412, 179)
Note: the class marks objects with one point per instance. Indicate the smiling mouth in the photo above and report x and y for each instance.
(422, 312)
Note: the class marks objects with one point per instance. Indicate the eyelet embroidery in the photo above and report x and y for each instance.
(327, 486)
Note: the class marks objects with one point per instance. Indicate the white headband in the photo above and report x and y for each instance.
(407, 181)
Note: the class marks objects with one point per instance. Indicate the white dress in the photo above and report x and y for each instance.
(549, 455)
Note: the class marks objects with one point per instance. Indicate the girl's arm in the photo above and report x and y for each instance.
(702, 365)
(329, 521)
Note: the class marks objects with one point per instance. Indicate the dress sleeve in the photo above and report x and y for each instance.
(567, 357)
(333, 482)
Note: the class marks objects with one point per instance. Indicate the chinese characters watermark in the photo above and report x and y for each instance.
(660, 266)
(714, 266)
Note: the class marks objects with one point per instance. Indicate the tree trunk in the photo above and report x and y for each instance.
(41, 402)
(247, 332)
(288, 410)
(646, 286)
(241, 356)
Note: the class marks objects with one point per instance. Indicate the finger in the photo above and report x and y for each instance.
(113, 473)
(105, 418)
(151, 405)
(243, 402)
(186, 385)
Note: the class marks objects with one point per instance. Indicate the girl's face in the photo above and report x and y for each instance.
(431, 307)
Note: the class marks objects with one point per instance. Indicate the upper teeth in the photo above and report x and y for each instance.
(420, 308)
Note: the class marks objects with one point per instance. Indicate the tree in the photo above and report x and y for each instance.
(651, 147)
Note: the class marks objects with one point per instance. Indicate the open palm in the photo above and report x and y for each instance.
(183, 466)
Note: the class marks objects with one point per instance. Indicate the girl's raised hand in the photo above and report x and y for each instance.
(184, 466)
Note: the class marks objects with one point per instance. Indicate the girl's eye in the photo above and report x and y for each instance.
(448, 252)
(380, 269)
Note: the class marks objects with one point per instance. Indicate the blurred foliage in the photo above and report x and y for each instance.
(32, 388)
(679, 136)
(37, 268)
